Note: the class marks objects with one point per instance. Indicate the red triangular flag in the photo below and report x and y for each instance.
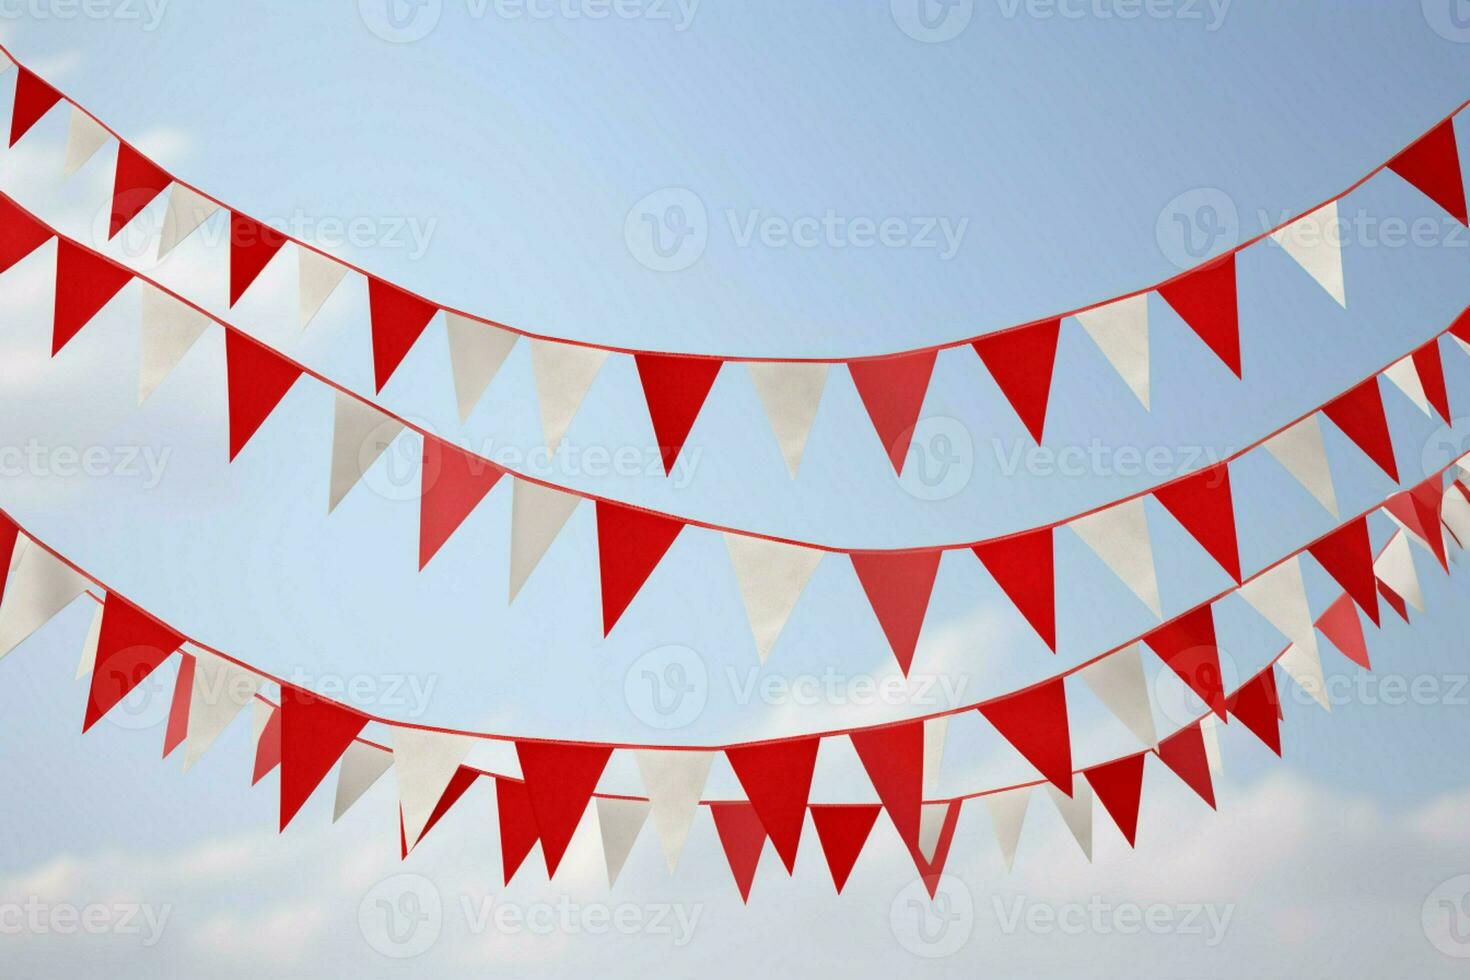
(777, 776)
(1035, 722)
(1022, 565)
(560, 778)
(268, 747)
(85, 281)
(1205, 299)
(1432, 164)
(464, 777)
(178, 708)
(1418, 509)
(135, 183)
(675, 389)
(8, 534)
(892, 390)
(1021, 362)
(256, 379)
(1184, 752)
(314, 734)
(898, 585)
(252, 245)
(33, 99)
(398, 319)
(743, 838)
(931, 869)
(1187, 645)
(1119, 786)
(1347, 554)
(842, 829)
(894, 759)
(1340, 625)
(630, 544)
(20, 234)
(1202, 502)
(454, 482)
(1394, 600)
(517, 824)
(1257, 706)
(1359, 414)
(130, 644)
(1431, 377)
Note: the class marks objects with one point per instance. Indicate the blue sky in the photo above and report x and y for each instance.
(498, 163)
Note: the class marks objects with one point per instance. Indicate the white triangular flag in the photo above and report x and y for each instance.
(619, 822)
(1315, 241)
(935, 731)
(1209, 730)
(1396, 568)
(1305, 667)
(790, 392)
(1299, 449)
(1117, 681)
(563, 373)
(84, 137)
(168, 328)
(1280, 596)
(423, 763)
(1008, 814)
(674, 781)
(1120, 330)
(537, 515)
(360, 433)
(1119, 536)
(931, 822)
(771, 576)
(362, 766)
(1076, 811)
(40, 586)
(5, 64)
(89, 646)
(187, 210)
(476, 352)
(220, 692)
(1405, 376)
(1456, 514)
(317, 276)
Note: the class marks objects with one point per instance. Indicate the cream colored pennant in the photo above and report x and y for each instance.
(362, 766)
(168, 328)
(619, 822)
(40, 586)
(1305, 667)
(424, 762)
(317, 277)
(1280, 596)
(476, 352)
(1117, 681)
(771, 576)
(537, 515)
(674, 781)
(187, 210)
(1119, 536)
(1299, 449)
(1120, 331)
(1395, 566)
(936, 730)
(89, 645)
(1404, 374)
(1008, 814)
(1315, 242)
(931, 824)
(84, 137)
(1076, 812)
(564, 373)
(790, 392)
(360, 434)
(220, 692)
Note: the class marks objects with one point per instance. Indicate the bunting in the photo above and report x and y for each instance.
(537, 515)
(135, 183)
(1119, 788)
(1359, 414)
(257, 379)
(1432, 164)
(1021, 362)
(560, 779)
(252, 246)
(1347, 555)
(476, 352)
(168, 329)
(1203, 504)
(777, 777)
(771, 577)
(1022, 565)
(1205, 300)
(790, 392)
(398, 320)
(314, 732)
(1119, 536)
(187, 209)
(1300, 451)
(85, 281)
(892, 390)
(842, 830)
(630, 544)
(1187, 646)
(894, 760)
(1314, 241)
(453, 484)
(33, 99)
(898, 586)
(674, 781)
(618, 824)
(517, 819)
(317, 277)
(675, 389)
(743, 837)
(361, 767)
(84, 137)
(1035, 722)
(1120, 331)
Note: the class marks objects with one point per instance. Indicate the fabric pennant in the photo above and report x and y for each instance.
(772, 576)
(630, 544)
(1394, 600)
(252, 246)
(560, 779)
(1203, 504)
(1021, 361)
(1187, 646)
(84, 137)
(317, 277)
(1023, 566)
(464, 777)
(424, 762)
(537, 515)
(1359, 414)
(89, 646)
(618, 823)
(893, 757)
(130, 645)
(790, 392)
(257, 378)
(1034, 720)
(1257, 706)
(936, 834)
(1300, 450)
(1117, 681)
(1395, 568)
(1280, 596)
(398, 320)
(187, 209)
(1347, 555)
(454, 482)
(1417, 511)
(1430, 368)
(265, 723)
(1205, 299)
(1076, 811)
(360, 434)
(1008, 814)
(518, 833)
(1314, 241)
(1305, 668)
(1120, 331)
(1404, 373)
(362, 766)
(1341, 626)
(476, 352)
(221, 690)
(674, 781)
(20, 234)
(85, 281)
(842, 830)
(177, 726)
(892, 390)
(777, 778)
(935, 732)
(314, 733)
(675, 389)
(1184, 752)
(168, 329)
(1119, 788)
(40, 586)
(1432, 164)
(898, 586)
(1119, 536)
(136, 182)
(742, 837)
(33, 99)
(564, 373)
